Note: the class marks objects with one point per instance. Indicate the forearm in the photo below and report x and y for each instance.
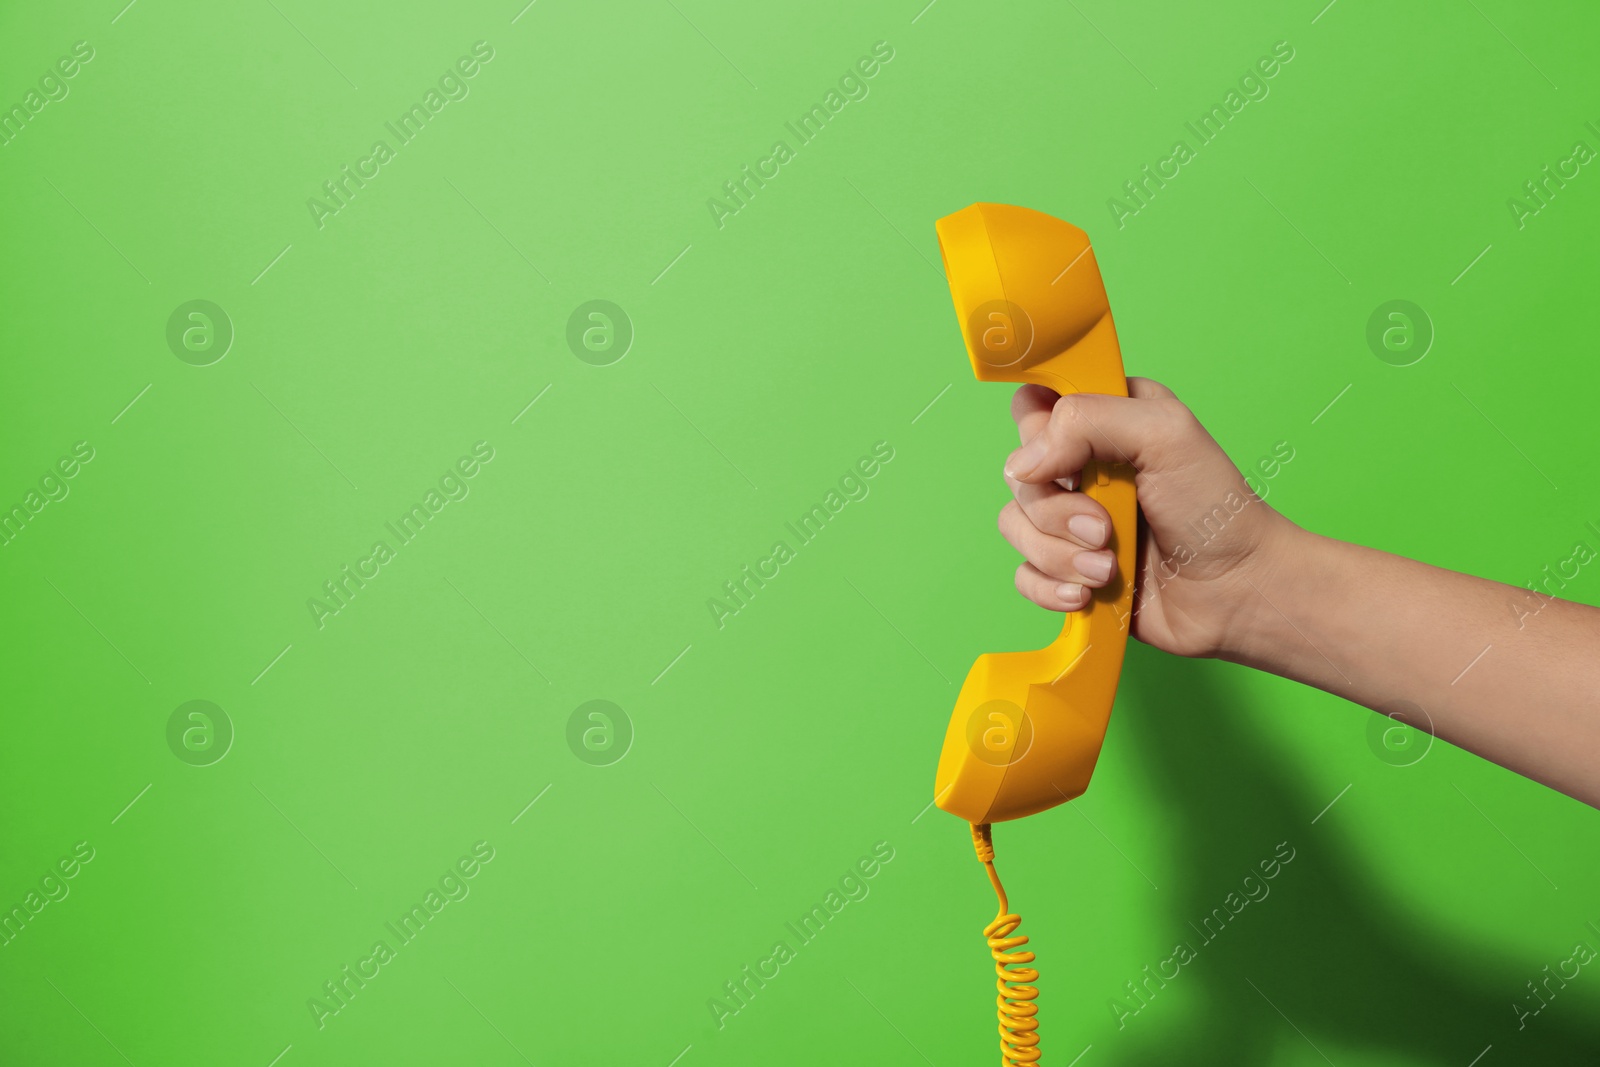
(1511, 675)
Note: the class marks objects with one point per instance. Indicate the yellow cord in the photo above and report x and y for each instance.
(1019, 1023)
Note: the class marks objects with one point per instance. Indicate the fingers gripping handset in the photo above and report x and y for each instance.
(1028, 726)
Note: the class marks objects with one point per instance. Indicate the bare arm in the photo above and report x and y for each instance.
(1500, 672)
(1511, 675)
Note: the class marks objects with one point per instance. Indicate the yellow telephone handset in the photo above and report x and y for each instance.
(1028, 726)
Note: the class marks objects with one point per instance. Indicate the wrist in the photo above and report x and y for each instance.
(1279, 577)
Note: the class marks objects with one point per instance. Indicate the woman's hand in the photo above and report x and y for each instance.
(1506, 672)
(1205, 539)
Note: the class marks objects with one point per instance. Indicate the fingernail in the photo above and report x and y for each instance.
(1025, 459)
(1095, 566)
(1088, 529)
(1071, 593)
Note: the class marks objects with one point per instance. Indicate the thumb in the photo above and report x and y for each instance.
(1110, 429)
(1030, 407)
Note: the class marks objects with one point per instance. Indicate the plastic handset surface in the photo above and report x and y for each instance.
(1028, 726)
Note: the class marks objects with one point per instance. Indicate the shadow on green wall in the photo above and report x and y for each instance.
(1326, 945)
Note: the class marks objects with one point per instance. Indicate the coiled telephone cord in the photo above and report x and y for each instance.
(1019, 1023)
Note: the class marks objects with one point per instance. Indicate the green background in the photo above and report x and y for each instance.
(771, 754)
